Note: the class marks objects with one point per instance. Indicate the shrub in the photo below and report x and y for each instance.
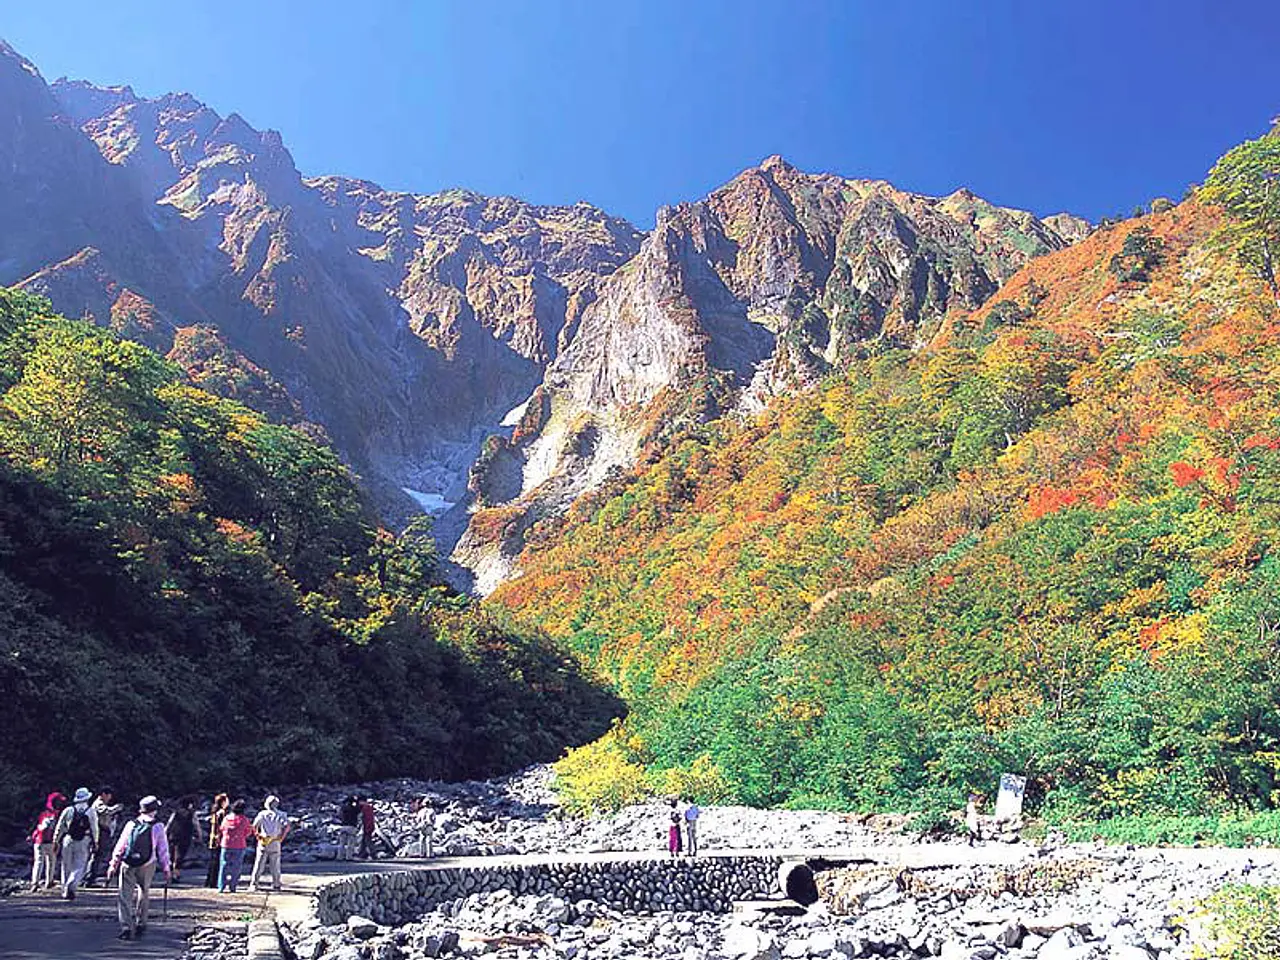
(1237, 923)
(602, 776)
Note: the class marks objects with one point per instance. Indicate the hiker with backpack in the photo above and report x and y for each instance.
(108, 812)
(235, 833)
(142, 845)
(43, 856)
(348, 827)
(182, 828)
(74, 836)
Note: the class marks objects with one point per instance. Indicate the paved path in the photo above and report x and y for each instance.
(44, 927)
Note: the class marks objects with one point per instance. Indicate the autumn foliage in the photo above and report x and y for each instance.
(1043, 544)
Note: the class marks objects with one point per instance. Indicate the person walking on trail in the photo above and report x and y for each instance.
(142, 845)
(368, 826)
(691, 814)
(74, 836)
(674, 842)
(271, 826)
(108, 812)
(217, 813)
(235, 833)
(182, 829)
(348, 827)
(43, 856)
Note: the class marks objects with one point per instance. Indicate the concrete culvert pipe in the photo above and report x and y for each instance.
(796, 880)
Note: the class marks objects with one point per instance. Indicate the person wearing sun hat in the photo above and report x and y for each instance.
(75, 834)
(142, 844)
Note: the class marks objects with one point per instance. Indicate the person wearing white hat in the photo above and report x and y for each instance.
(142, 844)
(271, 826)
(76, 832)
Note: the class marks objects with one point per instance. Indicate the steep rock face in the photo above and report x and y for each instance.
(460, 348)
(407, 326)
(767, 284)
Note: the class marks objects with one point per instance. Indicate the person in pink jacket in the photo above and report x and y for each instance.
(235, 832)
(141, 846)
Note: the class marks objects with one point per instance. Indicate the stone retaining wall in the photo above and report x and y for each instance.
(638, 886)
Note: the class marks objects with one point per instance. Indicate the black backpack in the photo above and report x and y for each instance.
(78, 829)
(350, 813)
(139, 851)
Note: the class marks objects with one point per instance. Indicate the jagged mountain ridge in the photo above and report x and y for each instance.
(412, 326)
(771, 282)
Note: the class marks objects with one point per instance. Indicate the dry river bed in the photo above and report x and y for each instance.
(1020, 900)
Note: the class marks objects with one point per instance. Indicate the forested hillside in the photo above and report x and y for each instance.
(1044, 544)
(191, 596)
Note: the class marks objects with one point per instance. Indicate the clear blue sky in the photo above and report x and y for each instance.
(1045, 104)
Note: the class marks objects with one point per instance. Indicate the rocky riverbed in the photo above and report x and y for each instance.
(1070, 904)
(519, 814)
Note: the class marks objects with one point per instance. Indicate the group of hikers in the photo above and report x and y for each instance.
(682, 833)
(92, 841)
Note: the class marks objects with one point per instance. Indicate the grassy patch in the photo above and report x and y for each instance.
(1261, 829)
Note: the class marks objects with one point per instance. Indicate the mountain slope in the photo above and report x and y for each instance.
(472, 351)
(1042, 544)
(407, 326)
(202, 597)
(770, 283)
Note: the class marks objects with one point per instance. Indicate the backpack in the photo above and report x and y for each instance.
(350, 814)
(139, 849)
(45, 827)
(78, 829)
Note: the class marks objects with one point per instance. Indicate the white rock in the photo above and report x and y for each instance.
(361, 927)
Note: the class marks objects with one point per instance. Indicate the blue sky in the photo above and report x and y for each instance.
(1087, 106)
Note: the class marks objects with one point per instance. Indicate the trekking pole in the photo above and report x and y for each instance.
(164, 914)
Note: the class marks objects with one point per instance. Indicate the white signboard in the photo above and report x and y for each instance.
(1009, 800)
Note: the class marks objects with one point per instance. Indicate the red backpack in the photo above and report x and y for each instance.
(45, 826)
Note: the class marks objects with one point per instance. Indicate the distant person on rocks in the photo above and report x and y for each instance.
(972, 824)
(424, 813)
(270, 826)
(368, 826)
(142, 845)
(74, 837)
(43, 856)
(182, 829)
(674, 843)
(691, 814)
(108, 812)
(235, 833)
(218, 811)
(348, 827)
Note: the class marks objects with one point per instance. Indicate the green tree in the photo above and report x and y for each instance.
(1246, 182)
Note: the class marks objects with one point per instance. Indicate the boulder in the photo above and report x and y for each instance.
(362, 928)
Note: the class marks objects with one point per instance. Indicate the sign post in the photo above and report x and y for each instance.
(1009, 800)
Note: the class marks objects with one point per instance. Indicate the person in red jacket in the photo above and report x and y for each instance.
(235, 832)
(368, 825)
(43, 856)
